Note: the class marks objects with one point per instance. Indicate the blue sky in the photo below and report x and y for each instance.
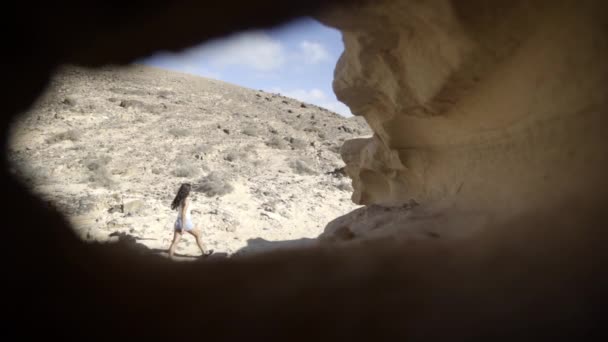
(296, 60)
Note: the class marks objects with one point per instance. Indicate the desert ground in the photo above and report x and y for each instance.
(111, 147)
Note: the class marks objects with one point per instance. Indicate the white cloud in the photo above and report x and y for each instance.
(276, 90)
(314, 52)
(310, 96)
(256, 50)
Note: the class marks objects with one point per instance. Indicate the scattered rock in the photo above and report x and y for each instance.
(86, 204)
(345, 129)
(165, 94)
(297, 144)
(139, 105)
(344, 186)
(112, 224)
(129, 91)
(131, 104)
(133, 207)
(251, 131)
(115, 209)
(214, 185)
(270, 215)
(337, 172)
(186, 169)
(179, 132)
(302, 167)
(278, 143)
(71, 135)
(69, 101)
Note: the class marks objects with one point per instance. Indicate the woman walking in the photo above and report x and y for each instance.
(183, 223)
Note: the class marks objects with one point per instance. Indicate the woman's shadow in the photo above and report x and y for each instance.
(254, 246)
(132, 241)
(259, 245)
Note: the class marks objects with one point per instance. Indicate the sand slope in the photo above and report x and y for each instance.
(111, 147)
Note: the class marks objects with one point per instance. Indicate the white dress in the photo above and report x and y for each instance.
(188, 219)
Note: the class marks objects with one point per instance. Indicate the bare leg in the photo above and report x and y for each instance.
(176, 237)
(197, 235)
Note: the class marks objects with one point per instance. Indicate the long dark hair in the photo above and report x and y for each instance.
(182, 193)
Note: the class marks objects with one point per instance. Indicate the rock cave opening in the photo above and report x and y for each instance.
(449, 115)
(487, 167)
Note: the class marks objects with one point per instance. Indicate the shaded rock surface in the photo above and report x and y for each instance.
(497, 109)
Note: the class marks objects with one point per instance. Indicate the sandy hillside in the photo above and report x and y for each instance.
(111, 147)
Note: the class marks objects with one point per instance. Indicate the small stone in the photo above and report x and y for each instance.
(69, 101)
(114, 209)
(345, 129)
(133, 207)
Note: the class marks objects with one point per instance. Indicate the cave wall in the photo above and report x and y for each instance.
(489, 108)
(514, 78)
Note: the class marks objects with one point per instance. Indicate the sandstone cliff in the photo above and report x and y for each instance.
(483, 110)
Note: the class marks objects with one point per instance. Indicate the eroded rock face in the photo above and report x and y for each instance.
(496, 107)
